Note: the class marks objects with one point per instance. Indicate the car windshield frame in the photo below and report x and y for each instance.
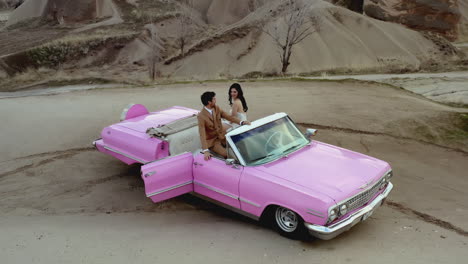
(265, 130)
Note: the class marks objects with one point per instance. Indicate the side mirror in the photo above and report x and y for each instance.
(310, 132)
(230, 162)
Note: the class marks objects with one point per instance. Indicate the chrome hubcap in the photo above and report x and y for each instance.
(286, 219)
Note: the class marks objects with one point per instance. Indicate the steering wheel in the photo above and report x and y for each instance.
(277, 134)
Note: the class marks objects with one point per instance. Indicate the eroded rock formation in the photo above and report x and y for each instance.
(440, 16)
(4, 4)
(354, 5)
(225, 12)
(62, 11)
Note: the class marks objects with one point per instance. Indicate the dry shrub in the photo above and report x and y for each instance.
(56, 52)
(30, 74)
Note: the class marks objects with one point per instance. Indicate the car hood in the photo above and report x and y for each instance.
(336, 172)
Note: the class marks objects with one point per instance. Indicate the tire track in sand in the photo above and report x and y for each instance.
(61, 154)
(426, 218)
(397, 206)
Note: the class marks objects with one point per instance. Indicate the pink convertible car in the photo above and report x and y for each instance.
(273, 171)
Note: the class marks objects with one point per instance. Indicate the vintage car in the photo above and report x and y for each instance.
(273, 172)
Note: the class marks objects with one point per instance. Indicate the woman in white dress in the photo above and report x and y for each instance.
(238, 105)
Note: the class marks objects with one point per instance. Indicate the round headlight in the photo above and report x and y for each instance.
(332, 215)
(389, 176)
(383, 184)
(343, 209)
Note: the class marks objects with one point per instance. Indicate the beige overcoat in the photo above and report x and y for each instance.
(210, 127)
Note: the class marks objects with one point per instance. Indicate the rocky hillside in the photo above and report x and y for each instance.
(233, 38)
(6, 4)
(445, 17)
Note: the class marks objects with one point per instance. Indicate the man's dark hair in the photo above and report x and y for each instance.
(207, 97)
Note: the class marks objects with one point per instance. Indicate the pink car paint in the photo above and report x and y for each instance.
(312, 181)
(163, 180)
(217, 181)
(127, 140)
(133, 110)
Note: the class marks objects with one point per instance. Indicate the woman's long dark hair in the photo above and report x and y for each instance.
(240, 95)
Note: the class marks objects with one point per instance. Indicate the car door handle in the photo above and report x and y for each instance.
(197, 164)
(149, 174)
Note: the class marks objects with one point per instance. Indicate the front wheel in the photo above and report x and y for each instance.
(289, 224)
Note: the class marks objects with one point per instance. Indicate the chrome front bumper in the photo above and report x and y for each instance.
(329, 232)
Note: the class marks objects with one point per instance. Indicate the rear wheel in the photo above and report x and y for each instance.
(289, 224)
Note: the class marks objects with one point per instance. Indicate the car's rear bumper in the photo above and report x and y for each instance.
(329, 232)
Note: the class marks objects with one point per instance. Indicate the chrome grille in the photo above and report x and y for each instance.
(364, 197)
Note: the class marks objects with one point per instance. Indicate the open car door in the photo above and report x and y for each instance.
(168, 177)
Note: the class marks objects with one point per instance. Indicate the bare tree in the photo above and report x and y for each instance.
(184, 20)
(297, 27)
(155, 50)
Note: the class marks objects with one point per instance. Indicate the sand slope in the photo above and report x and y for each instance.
(29, 9)
(343, 39)
(225, 12)
(228, 40)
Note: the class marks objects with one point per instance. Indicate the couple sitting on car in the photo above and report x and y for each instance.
(211, 128)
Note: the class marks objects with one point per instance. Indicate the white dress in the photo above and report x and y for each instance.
(240, 116)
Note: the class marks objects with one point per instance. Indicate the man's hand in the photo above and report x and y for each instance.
(245, 123)
(207, 155)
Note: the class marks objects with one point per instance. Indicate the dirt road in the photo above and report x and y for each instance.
(445, 87)
(64, 202)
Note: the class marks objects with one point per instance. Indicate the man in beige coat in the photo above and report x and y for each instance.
(212, 133)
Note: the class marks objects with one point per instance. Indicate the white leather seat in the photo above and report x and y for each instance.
(187, 140)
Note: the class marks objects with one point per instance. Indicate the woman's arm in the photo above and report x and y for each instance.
(235, 108)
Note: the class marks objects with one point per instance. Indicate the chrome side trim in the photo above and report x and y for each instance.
(216, 190)
(313, 211)
(227, 194)
(249, 202)
(329, 232)
(126, 155)
(315, 214)
(169, 189)
(234, 209)
(94, 143)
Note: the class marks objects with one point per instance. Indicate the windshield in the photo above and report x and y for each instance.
(269, 142)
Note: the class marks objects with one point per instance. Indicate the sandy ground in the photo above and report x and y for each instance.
(43, 90)
(64, 202)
